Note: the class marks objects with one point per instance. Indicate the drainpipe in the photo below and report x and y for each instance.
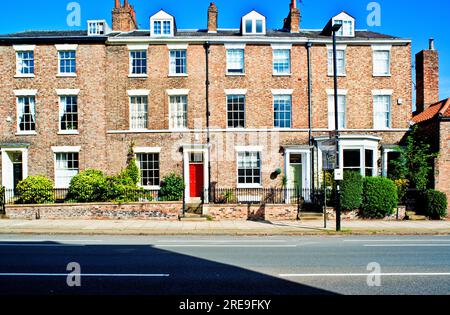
(311, 140)
(207, 45)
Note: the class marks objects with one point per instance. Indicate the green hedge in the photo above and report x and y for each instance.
(380, 197)
(435, 204)
(35, 190)
(172, 188)
(351, 190)
(88, 186)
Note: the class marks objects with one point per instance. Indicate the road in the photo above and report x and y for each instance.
(225, 265)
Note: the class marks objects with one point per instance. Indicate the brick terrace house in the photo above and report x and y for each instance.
(433, 116)
(230, 107)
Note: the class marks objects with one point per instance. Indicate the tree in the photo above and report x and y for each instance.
(415, 162)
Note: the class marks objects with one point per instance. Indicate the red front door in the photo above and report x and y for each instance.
(196, 180)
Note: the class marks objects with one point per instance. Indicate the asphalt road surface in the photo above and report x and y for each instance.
(122, 265)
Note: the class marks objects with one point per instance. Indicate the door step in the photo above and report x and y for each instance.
(412, 216)
(194, 208)
(189, 217)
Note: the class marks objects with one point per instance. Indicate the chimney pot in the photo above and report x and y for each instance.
(213, 13)
(431, 43)
(117, 4)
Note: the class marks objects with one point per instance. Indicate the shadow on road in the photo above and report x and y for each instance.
(189, 275)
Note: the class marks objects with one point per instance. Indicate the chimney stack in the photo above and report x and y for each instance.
(123, 17)
(292, 22)
(427, 78)
(213, 13)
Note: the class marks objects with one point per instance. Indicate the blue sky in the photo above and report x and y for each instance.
(404, 18)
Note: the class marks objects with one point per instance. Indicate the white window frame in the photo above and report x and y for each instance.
(382, 93)
(137, 93)
(64, 150)
(331, 113)
(64, 93)
(21, 49)
(98, 28)
(232, 47)
(250, 149)
(148, 150)
(178, 47)
(382, 48)
(136, 48)
(162, 17)
(281, 47)
(282, 92)
(330, 60)
(362, 146)
(67, 48)
(345, 19)
(25, 93)
(178, 93)
(236, 92)
(253, 16)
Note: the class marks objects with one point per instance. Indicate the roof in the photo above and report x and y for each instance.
(81, 36)
(439, 109)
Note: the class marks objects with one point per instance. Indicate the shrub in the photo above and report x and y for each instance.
(123, 189)
(35, 190)
(172, 188)
(88, 186)
(351, 190)
(402, 188)
(379, 197)
(435, 204)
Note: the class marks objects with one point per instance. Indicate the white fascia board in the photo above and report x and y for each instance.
(177, 46)
(382, 47)
(67, 47)
(234, 45)
(67, 91)
(173, 92)
(147, 149)
(236, 91)
(340, 92)
(25, 92)
(138, 46)
(281, 46)
(282, 91)
(338, 47)
(249, 148)
(66, 149)
(382, 92)
(138, 92)
(24, 47)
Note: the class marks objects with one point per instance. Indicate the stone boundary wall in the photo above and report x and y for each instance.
(97, 211)
(353, 215)
(251, 212)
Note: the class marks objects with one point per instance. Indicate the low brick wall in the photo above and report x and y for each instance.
(86, 211)
(251, 212)
(354, 214)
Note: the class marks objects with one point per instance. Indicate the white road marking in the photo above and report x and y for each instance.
(407, 274)
(111, 275)
(222, 241)
(223, 245)
(41, 245)
(46, 240)
(406, 245)
(395, 241)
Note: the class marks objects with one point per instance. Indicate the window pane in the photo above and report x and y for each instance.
(25, 62)
(138, 62)
(282, 111)
(68, 113)
(381, 62)
(139, 112)
(67, 62)
(149, 167)
(259, 26)
(178, 62)
(342, 108)
(178, 112)
(249, 168)
(26, 113)
(248, 26)
(281, 61)
(236, 111)
(340, 59)
(67, 166)
(382, 111)
(235, 60)
(352, 159)
(157, 27)
(167, 27)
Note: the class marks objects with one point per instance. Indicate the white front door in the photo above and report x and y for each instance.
(14, 167)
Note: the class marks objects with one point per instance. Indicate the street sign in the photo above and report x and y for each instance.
(329, 160)
(338, 174)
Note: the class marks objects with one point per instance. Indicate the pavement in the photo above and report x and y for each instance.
(224, 265)
(153, 227)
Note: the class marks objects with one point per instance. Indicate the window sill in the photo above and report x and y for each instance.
(138, 130)
(178, 129)
(66, 75)
(249, 186)
(26, 133)
(232, 74)
(21, 76)
(175, 75)
(282, 74)
(151, 187)
(382, 75)
(142, 76)
(68, 132)
(339, 75)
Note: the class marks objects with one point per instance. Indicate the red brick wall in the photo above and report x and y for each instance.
(427, 79)
(442, 167)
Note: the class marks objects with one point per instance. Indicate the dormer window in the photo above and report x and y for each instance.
(98, 28)
(348, 24)
(254, 24)
(162, 24)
